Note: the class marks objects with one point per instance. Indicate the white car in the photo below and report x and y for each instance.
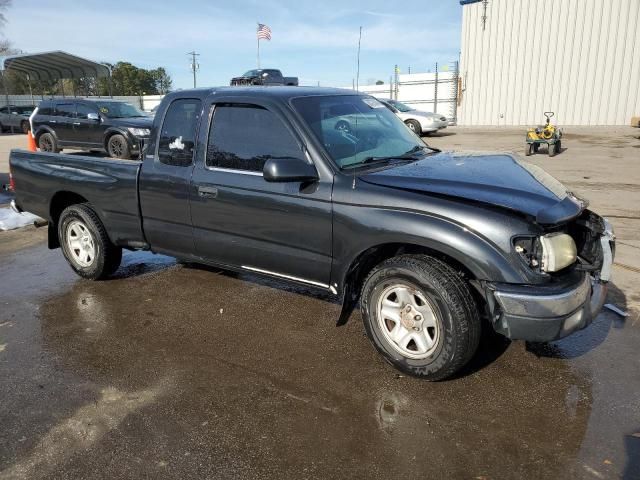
(418, 121)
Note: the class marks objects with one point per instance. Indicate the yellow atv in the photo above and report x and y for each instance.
(547, 134)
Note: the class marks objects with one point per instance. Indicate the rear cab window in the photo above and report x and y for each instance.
(177, 141)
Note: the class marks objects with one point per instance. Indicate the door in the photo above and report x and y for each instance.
(62, 122)
(165, 177)
(241, 220)
(86, 132)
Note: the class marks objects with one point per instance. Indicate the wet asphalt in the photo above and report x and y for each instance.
(187, 372)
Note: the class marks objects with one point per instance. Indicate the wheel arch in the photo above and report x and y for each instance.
(110, 133)
(42, 130)
(351, 282)
(58, 203)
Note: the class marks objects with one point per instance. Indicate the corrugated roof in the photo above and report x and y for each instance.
(54, 66)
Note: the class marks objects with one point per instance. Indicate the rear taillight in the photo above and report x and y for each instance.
(12, 183)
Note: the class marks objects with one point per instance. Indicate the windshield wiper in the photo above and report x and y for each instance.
(406, 156)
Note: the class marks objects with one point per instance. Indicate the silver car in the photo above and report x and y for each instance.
(418, 121)
(14, 118)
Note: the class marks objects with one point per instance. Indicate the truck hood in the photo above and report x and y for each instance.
(499, 180)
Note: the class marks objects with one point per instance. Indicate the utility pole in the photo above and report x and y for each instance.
(194, 65)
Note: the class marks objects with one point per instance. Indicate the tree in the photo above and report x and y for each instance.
(162, 80)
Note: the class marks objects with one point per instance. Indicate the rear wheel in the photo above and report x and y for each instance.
(414, 127)
(420, 315)
(85, 243)
(529, 149)
(117, 147)
(47, 143)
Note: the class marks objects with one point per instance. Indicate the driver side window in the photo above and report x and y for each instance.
(242, 137)
(83, 110)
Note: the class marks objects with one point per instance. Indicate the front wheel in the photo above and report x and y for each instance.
(420, 315)
(117, 147)
(85, 243)
(24, 126)
(552, 150)
(414, 127)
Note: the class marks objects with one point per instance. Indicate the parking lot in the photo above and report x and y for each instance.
(186, 371)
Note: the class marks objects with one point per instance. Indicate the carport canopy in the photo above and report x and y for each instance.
(55, 66)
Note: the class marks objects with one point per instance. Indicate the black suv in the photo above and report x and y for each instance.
(117, 127)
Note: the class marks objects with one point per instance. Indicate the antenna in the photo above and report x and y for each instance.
(194, 65)
(358, 61)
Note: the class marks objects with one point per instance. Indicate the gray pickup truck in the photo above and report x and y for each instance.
(264, 76)
(434, 246)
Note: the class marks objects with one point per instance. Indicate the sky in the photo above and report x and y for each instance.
(314, 40)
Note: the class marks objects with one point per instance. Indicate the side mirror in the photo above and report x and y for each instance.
(93, 116)
(288, 169)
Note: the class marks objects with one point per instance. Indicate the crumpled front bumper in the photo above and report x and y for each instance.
(542, 315)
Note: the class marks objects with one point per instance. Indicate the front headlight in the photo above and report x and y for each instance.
(558, 251)
(139, 132)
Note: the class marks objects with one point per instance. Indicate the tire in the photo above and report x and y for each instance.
(414, 127)
(85, 243)
(47, 143)
(558, 147)
(2, 128)
(343, 126)
(450, 317)
(529, 149)
(24, 126)
(536, 146)
(117, 147)
(552, 150)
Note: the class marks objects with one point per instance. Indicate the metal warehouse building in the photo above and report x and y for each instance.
(578, 58)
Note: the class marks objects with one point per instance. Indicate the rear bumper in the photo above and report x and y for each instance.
(538, 314)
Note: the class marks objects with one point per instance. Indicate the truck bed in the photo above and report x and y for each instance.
(43, 180)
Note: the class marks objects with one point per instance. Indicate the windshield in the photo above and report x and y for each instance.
(356, 129)
(119, 110)
(401, 106)
(251, 73)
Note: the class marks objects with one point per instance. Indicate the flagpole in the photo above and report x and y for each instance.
(258, 45)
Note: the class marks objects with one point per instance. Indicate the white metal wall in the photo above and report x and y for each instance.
(578, 58)
(418, 90)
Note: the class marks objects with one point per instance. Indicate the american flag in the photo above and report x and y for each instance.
(264, 32)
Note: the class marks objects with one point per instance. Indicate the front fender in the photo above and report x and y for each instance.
(358, 229)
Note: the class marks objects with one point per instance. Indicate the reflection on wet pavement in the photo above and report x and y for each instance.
(184, 371)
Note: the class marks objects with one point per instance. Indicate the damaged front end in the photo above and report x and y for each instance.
(576, 258)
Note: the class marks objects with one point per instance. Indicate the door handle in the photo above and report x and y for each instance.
(76, 123)
(53, 121)
(208, 192)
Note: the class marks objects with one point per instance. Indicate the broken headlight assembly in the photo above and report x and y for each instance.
(558, 251)
(548, 253)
